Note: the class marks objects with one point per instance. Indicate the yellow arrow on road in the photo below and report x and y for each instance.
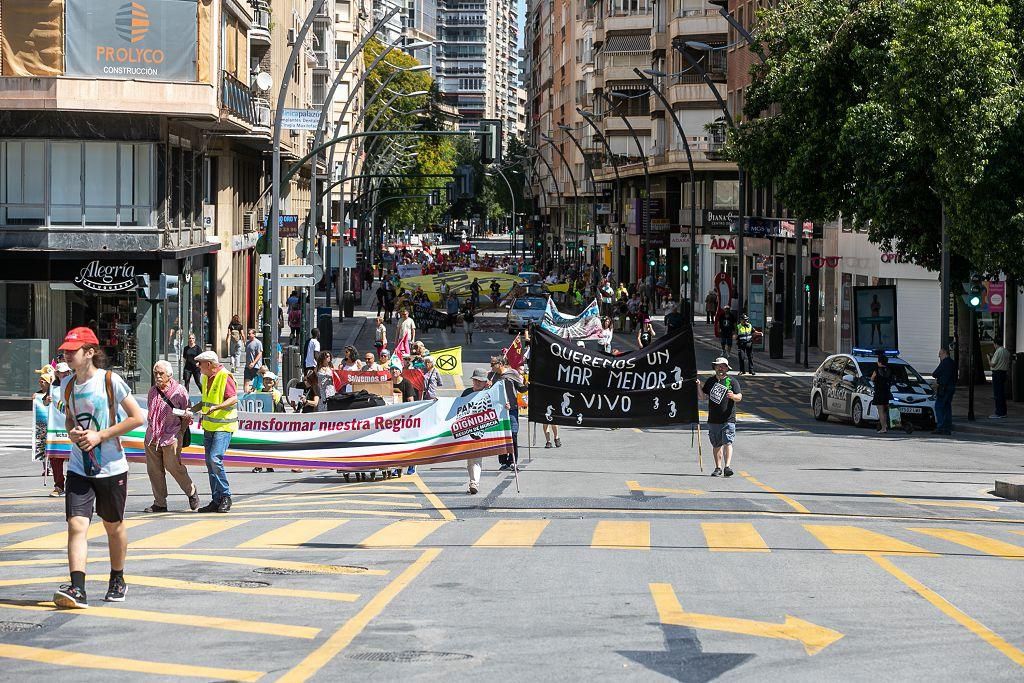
(814, 638)
(635, 486)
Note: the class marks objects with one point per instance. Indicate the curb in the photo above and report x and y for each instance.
(1011, 490)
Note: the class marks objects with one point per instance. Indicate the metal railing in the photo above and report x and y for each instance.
(236, 98)
(261, 17)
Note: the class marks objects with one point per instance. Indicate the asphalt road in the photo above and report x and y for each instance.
(833, 554)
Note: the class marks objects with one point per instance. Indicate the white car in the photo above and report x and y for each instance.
(525, 310)
(842, 388)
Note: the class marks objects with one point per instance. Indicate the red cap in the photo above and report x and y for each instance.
(77, 338)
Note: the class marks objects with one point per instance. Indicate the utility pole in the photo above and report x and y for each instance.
(798, 332)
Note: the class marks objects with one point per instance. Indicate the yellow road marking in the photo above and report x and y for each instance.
(781, 496)
(342, 511)
(14, 528)
(260, 562)
(434, 500)
(635, 486)
(89, 661)
(405, 534)
(363, 486)
(939, 503)
(738, 537)
(777, 413)
(512, 533)
(187, 533)
(852, 540)
(814, 638)
(32, 501)
(176, 584)
(341, 639)
(59, 540)
(195, 620)
(622, 535)
(989, 546)
(637, 430)
(974, 626)
(347, 500)
(293, 534)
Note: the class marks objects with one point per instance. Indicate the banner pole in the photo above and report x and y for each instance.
(700, 452)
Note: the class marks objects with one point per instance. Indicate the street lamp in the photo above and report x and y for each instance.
(572, 178)
(691, 277)
(512, 197)
(588, 117)
(593, 187)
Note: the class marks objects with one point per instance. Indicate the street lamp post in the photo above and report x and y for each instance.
(587, 116)
(593, 188)
(572, 179)
(645, 215)
(512, 197)
(551, 174)
(693, 177)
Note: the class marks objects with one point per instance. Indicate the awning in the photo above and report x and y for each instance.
(628, 42)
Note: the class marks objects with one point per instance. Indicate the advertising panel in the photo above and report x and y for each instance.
(144, 40)
(874, 314)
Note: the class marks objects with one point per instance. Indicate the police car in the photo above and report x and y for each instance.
(842, 387)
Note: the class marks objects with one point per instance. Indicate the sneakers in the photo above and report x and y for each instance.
(505, 467)
(473, 489)
(116, 590)
(549, 445)
(69, 596)
(160, 508)
(57, 492)
(558, 443)
(728, 471)
(225, 504)
(717, 472)
(411, 470)
(991, 417)
(211, 507)
(193, 499)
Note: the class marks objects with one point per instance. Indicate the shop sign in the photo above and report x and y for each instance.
(996, 297)
(144, 40)
(720, 218)
(97, 277)
(603, 209)
(679, 240)
(723, 244)
(288, 225)
(893, 257)
(301, 119)
(660, 225)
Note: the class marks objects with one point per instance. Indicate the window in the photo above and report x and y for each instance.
(341, 49)
(344, 10)
(90, 183)
(727, 194)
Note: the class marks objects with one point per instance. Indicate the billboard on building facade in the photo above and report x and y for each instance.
(874, 313)
(143, 40)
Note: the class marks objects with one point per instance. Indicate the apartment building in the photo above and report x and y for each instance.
(135, 140)
(477, 61)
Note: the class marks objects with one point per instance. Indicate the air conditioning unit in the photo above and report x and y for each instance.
(291, 36)
(249, 221)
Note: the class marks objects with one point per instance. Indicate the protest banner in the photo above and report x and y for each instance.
(415, 433)
(586, 325)
(459, 281)
(448, 361)
(646, 388)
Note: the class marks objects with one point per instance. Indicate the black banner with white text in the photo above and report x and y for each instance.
(570, 385)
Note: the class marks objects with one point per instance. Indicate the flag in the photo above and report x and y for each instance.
(402, 349)
(448, 361)
(515, 352)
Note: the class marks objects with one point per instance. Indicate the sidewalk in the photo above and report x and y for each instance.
(1011, 426)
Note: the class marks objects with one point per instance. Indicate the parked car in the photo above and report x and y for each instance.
(525, 310)
(842, 388)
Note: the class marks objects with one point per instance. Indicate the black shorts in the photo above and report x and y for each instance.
(108, 494)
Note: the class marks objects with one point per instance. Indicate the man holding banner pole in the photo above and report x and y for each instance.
(722, 394)
(474, 465)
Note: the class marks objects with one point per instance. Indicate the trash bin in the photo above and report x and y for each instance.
(349, 303)
(291, 365)
(685, 310)
(1018, 377)
(775, 337)
(325, 323)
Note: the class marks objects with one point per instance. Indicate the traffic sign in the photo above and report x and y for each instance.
(296, 281)
(301, 270)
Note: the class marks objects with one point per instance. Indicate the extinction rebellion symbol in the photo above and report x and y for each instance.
(99, 278)
(446, 362)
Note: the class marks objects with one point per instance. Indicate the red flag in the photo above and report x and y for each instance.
(402, 349)
(515, 353)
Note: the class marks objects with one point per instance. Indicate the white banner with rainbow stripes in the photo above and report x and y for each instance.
(394, 436)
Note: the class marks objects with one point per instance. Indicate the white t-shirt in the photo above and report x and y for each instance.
(406, 327)
(312, 348)
(89, 406)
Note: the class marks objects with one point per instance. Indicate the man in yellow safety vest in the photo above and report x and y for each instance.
(219, 419)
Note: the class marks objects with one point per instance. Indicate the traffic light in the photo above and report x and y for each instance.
(974, 294)
(686, 264)
(167, 287)
(490, 141)
(650, 262)
(142, 287)
(464, 182)
(449, 190)
(807, 284)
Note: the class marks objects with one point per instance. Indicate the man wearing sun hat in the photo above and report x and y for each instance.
(219, 421)
(722, 394)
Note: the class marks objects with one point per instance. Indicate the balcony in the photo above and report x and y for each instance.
(236, 100)
(323, 59)
(259, 33)
(261, 108)
(629, 22)
(687, 92)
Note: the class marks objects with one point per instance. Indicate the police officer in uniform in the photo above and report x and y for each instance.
(745, 345)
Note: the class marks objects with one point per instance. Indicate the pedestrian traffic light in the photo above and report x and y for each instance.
(651, 262)
(974, 294)
(142, 287)
(686, 264)
(807, 284)
(464, 182)
(167, 288)
(490, 141)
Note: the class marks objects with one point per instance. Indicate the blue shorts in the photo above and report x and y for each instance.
(722, 434)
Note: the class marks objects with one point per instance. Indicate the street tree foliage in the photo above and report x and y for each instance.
(884, 111)
(491, 199)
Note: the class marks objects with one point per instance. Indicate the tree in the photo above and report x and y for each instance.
(884, 111)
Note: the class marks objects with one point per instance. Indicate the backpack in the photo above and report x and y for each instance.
(108, 382)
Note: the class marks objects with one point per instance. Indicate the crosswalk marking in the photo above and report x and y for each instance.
(851, 540)
(738, 537)
(194, 620)
(294, 534)
(344, 500)
(15, 527)
(983, 544)
(622, 535)
(187, 533)
(777, 413)
(512, 533)
(404, 534)
(59, 540)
